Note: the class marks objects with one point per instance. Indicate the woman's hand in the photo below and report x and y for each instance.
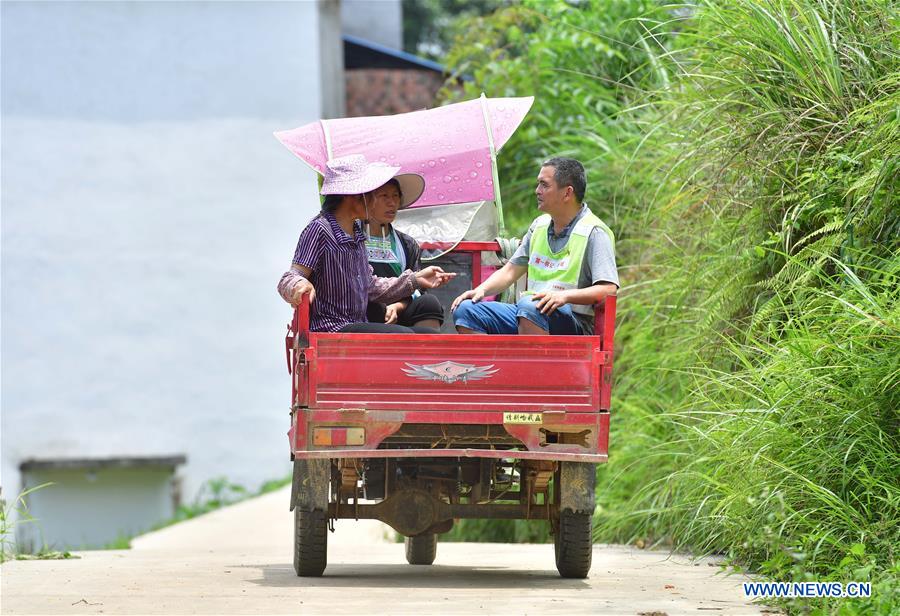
(432, 277)
(301, 288)
(294, 284)
(392, 312)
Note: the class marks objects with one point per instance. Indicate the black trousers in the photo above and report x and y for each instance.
(419, 309)
(385, 328)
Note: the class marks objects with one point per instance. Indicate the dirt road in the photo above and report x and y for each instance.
(238, 561)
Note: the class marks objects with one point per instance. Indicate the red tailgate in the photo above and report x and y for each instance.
(450, 372)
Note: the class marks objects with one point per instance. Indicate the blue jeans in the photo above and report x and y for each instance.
(502, 318)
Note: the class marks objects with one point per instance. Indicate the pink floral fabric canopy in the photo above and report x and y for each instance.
(448, 145)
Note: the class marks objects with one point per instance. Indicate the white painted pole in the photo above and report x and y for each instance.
(494, 176)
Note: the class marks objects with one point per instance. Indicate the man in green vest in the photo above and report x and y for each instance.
(569, 256)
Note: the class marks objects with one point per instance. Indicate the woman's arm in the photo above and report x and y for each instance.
(388, 290)
(294, 284)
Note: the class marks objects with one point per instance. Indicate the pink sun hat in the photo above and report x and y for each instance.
(354, 175)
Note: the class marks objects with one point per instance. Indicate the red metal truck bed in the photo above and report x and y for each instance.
(452, 372)
(548, 396)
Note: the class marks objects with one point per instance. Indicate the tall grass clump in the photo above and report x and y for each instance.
(785, 118)
(783, 454)
(746, 153)
(13, 515)
(758, 363)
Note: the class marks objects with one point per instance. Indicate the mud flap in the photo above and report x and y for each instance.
(309, 489)
(577, 484)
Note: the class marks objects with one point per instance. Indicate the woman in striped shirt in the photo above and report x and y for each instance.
(330, 262)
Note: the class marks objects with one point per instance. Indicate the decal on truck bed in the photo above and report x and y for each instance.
(523, 418)
(450, 372)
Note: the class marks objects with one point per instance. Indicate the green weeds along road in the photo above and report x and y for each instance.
(746, 154)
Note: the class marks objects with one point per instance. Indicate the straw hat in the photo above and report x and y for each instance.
(354, 175)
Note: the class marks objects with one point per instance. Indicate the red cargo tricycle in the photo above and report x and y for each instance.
(421, 430)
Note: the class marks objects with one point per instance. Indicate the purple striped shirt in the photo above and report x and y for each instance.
(341, 275)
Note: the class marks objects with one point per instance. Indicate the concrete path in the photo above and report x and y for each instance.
(238, 561)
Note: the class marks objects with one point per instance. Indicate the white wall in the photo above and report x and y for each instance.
(106, 504)
(147, 213)
(379, 21)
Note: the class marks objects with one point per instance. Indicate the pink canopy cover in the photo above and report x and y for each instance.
(447, 145)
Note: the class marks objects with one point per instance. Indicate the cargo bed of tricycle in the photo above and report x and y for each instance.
(421, 430)
(549, 394)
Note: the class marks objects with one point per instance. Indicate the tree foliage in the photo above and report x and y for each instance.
(583, 62)
(428, 25)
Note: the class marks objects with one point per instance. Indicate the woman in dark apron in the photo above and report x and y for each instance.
(390, 252)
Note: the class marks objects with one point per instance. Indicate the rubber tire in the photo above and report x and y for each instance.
(573, 544)
(421, 549)
(310, 542)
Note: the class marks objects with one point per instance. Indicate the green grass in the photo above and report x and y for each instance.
(502, 531)
(12, 515)
(220, 492)
(781, 453)
(747, 154)
(121, 542)
(47, 554)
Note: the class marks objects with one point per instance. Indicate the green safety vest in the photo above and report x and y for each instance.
(559, 271)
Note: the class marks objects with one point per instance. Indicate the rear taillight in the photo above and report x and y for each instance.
(332, 436)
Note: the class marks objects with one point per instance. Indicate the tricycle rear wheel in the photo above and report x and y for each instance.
(573, 544)
(421, 549)
(310, 542)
